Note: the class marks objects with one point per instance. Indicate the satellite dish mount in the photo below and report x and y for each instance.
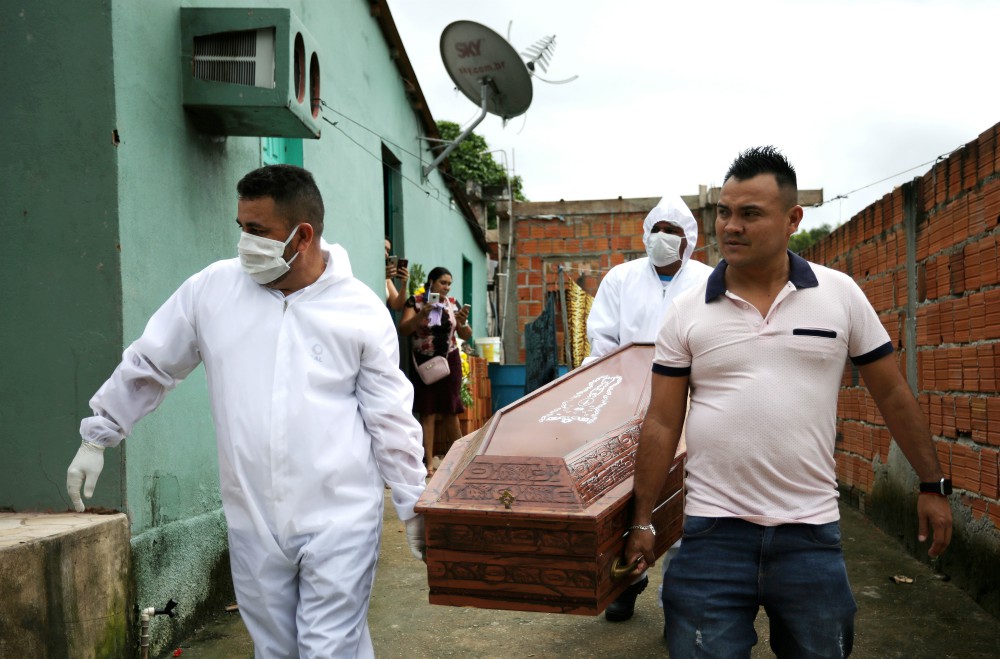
(488, 71)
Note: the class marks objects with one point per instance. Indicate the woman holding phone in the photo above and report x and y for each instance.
(432, 320)
(395, 268)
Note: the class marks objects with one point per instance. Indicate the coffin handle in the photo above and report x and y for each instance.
(619, 571)
(507, 498)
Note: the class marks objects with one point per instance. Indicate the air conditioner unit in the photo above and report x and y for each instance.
(250, 72)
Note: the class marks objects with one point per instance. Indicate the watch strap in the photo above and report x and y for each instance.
(942, 487)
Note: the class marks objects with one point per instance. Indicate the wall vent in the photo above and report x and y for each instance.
(240, 58)
(250, 72)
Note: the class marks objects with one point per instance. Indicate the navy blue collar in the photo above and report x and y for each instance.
(799, 273)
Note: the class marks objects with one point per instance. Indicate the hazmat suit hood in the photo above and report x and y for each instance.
(673, 209)
(631, 301)
(338, 264)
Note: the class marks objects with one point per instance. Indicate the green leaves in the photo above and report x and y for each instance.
(802, 240)
(471, 161)
(417, 278)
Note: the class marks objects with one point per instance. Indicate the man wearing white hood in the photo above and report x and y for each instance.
(630, 305)
(633, 296)
(312, 417)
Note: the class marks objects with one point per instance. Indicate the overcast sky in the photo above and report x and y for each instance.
(669, 92)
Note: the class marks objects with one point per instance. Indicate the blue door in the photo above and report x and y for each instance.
(280, 151)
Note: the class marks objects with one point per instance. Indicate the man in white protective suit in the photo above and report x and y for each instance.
(312, 417)
(631, 302)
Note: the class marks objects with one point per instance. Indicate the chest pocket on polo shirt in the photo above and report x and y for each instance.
(818, 332)
(817, 345)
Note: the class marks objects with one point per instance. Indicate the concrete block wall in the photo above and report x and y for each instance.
(954, 345)
(65, 586)
(586, 239)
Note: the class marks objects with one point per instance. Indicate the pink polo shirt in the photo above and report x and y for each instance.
(762, 422)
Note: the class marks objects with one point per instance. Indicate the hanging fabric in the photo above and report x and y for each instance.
(578, 303)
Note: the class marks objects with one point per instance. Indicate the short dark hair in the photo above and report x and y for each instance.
(293, 190)
(765, 160)
(434, 275)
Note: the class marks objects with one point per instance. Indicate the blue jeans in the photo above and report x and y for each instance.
(727, 569)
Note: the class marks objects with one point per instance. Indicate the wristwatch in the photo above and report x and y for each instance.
(942, 487)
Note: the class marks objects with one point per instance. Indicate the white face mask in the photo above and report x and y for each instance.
(663, 248)
(263, 258)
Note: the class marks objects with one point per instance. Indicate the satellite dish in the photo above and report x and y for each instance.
(488, 71)
(475, 55)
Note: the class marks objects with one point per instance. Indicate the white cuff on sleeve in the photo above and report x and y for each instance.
(100, 431)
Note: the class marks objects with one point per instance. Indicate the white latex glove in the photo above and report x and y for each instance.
(415, 536)
(86, 466)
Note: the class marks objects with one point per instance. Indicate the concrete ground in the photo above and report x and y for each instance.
(927, 618)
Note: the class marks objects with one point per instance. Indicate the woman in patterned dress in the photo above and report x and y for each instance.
(432, 329)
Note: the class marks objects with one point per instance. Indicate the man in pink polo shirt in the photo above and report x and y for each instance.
(761, 346)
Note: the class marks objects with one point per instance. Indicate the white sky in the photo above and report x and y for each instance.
(852, 91)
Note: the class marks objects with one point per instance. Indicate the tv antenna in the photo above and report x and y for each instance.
(538, 55)
(487, 69)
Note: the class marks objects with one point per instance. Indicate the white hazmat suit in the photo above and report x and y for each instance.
(312, 414)
(631, 300)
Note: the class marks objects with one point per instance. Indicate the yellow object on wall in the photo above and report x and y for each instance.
(578, 304)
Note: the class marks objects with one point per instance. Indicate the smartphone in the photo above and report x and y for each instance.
(433, 298)
(466, 308)
(401, 263)
(392, 260)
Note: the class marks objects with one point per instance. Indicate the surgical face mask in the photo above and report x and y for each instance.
(263, 258)
(663, 248)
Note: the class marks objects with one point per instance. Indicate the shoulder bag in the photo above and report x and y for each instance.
(432, 370)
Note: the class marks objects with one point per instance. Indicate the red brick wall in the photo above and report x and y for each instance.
(957, 319)
(587, 238)
(956, 322)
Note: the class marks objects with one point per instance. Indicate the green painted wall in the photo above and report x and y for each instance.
(178, 209)
(60, 305)
(362, 85)
(101, 230)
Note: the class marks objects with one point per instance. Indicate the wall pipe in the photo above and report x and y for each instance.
(144, 618)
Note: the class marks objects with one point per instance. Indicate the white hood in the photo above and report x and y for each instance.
(631, 300)
(673, 209)
(338, 263)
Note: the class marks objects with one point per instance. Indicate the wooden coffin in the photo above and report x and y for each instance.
(530, 512)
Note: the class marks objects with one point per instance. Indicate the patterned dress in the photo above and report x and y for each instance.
(444, 396)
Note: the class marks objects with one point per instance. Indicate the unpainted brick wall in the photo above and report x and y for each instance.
(956, 317)
(957, 320)
(586, 238)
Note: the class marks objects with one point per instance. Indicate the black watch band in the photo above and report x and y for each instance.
(942, 487)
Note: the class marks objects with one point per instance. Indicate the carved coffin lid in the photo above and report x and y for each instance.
(555, 452)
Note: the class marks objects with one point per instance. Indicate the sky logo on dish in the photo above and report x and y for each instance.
(468, 48)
